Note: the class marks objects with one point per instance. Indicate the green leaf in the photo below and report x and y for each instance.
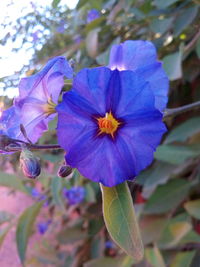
(120, 219)
(12, 181)
(3, 233)
(172, 65)
(185, 130)
(90, 193)
(157, 175)
(95, 225)
(94, 24)
(175, 154)
(161, 25)
(55, 3)
(196, 260)
(167, 196)
(198, 48)
(184, 19)
(5, 217)
(71, 235)
(193, 208)
(97, 247)
(25, 228)
(190, 237)
(173, 233)
(56, 186)
(124, 261)
(154, 257)
(183, 259)
(151, 226)
(164, 4)
(91, 43)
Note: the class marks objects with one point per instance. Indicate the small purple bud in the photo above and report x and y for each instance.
(64, 171)
(29, 164)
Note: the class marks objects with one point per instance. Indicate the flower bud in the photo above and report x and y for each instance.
(29, 164)
(64, 171)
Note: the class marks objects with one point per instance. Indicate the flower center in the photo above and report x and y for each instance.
(49, 107)
(108, 124)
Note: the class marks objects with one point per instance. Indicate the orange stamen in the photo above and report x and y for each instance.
(108, 124)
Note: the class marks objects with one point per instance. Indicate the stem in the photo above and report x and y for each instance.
(192, 42)
(32, 147)
(172, 112)
(35, 147)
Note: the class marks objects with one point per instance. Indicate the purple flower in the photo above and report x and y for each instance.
(108, 125)
(77, 39)
(35, 193)
(43, 227)
(141, 57)
(9, 122)
(92, 15)
(109, 244)
(74, 195)
(38, 96)
(35, 36)
(9, 128)
(61, 27)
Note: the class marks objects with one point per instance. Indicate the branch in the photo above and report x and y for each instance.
(15, 145)
(192, 42)
(172, 112)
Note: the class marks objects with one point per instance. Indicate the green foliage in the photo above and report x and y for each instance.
(25, 228)
(12, 182)
(154, 257)
(185, 130)
(120, 219)
(124, 261)
(183, 259)
(172, 65)
(166, 195)
(176, 154)
(193, 208)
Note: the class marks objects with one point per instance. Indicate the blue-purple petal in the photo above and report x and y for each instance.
(141, 56)
(131, 55)
(46, 83)
(102, 158)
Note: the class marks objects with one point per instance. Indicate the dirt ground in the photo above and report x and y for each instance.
(15, 204)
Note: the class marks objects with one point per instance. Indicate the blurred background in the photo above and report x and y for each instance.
(40, 222)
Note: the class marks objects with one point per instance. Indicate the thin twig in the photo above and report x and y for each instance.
(172, 112)
(16, 146)
(192, 42)
(32, 147)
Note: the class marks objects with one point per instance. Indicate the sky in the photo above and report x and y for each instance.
(11, 62)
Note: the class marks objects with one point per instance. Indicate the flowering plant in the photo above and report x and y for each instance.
(109, 125)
